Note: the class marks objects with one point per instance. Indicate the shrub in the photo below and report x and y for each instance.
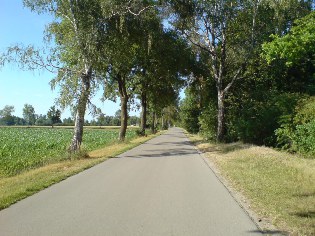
(304, 138)
(256, 119)
(297, 132)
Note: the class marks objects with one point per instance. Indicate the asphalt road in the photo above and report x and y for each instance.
(162, 187)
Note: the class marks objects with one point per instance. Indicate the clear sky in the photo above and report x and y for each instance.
(17, 87)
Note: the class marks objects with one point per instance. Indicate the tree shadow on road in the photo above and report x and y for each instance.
(175, 153)
(270, 232)
(172, 143)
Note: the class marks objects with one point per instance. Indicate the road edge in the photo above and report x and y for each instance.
(264, 226)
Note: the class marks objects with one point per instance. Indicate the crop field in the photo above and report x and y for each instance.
(26, 148)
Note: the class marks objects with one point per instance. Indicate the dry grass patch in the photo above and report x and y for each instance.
(279, 186)
(15, 188)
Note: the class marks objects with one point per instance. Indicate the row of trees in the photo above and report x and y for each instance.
(258, 78)
(53, 117)
(29, 116)
(148, 50)
(121, 46)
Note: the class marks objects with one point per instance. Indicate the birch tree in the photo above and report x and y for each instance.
(80, 35)
(225, 30)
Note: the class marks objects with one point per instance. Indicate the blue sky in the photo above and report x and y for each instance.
(17, 87)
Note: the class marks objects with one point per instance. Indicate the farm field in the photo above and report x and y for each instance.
(25, 148)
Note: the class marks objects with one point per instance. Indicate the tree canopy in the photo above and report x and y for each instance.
(298, 44)
(245, 64)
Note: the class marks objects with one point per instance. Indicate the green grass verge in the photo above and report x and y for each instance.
(279, 186)
(15, 188)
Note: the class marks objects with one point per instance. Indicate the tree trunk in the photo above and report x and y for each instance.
(124, 112)
(143, 113)
(80, 113)
(124, 119)
(221, 116)
(153, 123)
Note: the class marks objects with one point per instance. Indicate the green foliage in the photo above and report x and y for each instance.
(208, 122)
(297, 44)
(6, 117)
(7, 111)
(25, 148)
(54, 115)
(259, 115)
(109, 121)
(189, 112)
(297, 131)
(253, 97)
(29, 114)
(133, 120)
(140, 132)
(169, 117)
(68, 121)
(304, 138)
(42, 120)
(99, 41)
(305, 111)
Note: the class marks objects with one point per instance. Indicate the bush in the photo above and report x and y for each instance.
(256, 119)
(297, 132)
(304, 138)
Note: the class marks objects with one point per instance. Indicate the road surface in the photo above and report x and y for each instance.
(162, 187)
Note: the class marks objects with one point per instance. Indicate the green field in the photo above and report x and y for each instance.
(26, 148)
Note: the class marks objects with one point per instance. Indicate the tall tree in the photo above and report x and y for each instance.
(230, 31)
(163, 60)
(54, 115)
(124, 55)
(6, 117)
(211, 28)
(78, 37)
(119, 73)
(29, 114)
(80, 31)
(7, 111)
(100, 117)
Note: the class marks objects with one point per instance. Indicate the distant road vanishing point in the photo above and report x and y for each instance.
(162, 187)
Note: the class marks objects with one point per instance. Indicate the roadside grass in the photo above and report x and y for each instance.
(279, 186)
(15, 188)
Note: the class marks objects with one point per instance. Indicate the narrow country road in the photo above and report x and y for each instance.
(162, 187)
